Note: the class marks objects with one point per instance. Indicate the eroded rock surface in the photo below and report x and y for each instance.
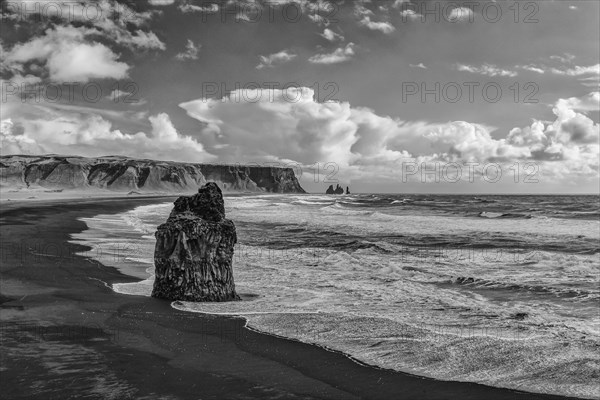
(126, 174)
(194, 250)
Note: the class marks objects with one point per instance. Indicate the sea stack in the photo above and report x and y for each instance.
(194, 250)
(338, 190)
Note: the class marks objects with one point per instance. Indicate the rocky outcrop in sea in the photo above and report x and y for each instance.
(194, 250)
(338, 190)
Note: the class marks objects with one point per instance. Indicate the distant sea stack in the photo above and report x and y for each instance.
(338, 190)
(194, 250)
(134, 175)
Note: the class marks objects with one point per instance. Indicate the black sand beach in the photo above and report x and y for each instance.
(66, 334)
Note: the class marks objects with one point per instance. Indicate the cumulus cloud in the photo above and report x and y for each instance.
(589, 102)
(566, 58)
(409, 14)
(460, 14)
(339, 55)
(592, 71)
(589, 75)
(187, 7)
(14, 142)
(284, 125)
(360, 10)
(469, 142)
(281, 57)
(384, 27)
(117, 94)
(291, 125)
(578, 70)
(70, 49)
(572, 136)
(252, 9)
(288, 124)
(590, 81)
(364, 15)
(139, 39)
(190, 53)
(487, 69)
(18, 80)
(331, 35)
(398, 3)
(161, 2)
(67, 56)
(419, 65)
(44, 129)
(532, 68)
(319, 19)
(116, 21)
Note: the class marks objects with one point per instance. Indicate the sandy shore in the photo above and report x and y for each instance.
(65, 334)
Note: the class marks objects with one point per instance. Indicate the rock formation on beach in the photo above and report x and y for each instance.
(126, 174)
(194, 250)
(338, 190)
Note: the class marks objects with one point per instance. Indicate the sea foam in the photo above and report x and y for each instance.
(399, 306)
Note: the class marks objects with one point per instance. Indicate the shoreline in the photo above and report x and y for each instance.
(130, 331)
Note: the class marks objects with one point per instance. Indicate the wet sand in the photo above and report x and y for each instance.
(65, 334)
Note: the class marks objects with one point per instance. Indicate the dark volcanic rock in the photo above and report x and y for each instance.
(194, 250)
(129, 174)
(207, 203)
(338, 190)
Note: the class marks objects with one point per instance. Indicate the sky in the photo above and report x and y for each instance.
(404, 96)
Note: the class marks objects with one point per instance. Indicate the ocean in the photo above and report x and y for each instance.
(501, 290)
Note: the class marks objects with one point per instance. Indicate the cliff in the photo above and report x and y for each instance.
(194, 250)
(129, 174)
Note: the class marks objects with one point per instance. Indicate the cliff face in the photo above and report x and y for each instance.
(127, 174)
(194, 250)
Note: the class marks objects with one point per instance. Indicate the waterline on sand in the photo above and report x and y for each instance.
(517, 325)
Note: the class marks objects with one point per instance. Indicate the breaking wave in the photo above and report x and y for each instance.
(482, 289)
